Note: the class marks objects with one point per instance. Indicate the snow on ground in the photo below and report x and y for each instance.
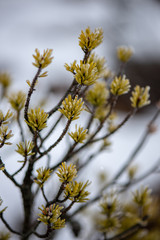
(26, 25)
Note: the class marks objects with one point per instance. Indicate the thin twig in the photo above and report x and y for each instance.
(44, 195)
(130, 231)
(20, 126)
(123, 188)
(52, 129)
(56, 199)
(129, 115)
(10, 176)
(68, 208)
(90, 120)
(8, 226)
(74, 83)
(31, 231)
(121, 171)
(66, 157)
(53, 110)
(137, 148)
(57, 141)
(112, 105)
(20, 169)
(31, 89)
(144, 175)
(91, 157)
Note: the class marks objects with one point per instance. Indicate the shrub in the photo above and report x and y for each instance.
(95, 91)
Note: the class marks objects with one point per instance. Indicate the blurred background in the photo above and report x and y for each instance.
(56, 24)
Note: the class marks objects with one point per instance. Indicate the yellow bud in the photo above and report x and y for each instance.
(72, 107)
(89, 40)
(120, 85)
(140, 97)
(124, 53)
(42, 61)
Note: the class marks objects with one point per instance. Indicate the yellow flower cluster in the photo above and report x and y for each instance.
(89, 40)
(124, 53)
(109, 204)
(4, 119)
(120, 85)
(17, 100)
(72, 67)
(109, 218)
(25, 148)
(76, 192)
(37, 119)
(86, 74)
(72, 107)
(79, 135)
(4, 135)
(140, 97)
(102, 70)
(42, 61)
(66, 173)
(51, 216)
(42, 177)
(98, 94)
(142, 197)
(5, 80)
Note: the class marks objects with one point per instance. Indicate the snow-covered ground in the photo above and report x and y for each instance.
(26, 25)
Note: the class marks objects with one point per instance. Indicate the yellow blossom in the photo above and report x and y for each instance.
(140, 97)
(142, 197)
(77, 191)
(72, 67)
(5, 80)
(5, 135)
(37, 119)
(89, 40)
(17, 100)
(120, 85)
(72, 107)
(86, 73)
(98, 94)
(42, 61)
(25, 148)
(43, 175)
(66, 173)
(51, 216)
(108, 220)
(124, 53)
(109, 204)
(4, 119)
(79, 135)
